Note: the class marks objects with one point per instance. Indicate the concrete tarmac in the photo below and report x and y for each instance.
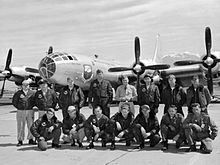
(29, 154)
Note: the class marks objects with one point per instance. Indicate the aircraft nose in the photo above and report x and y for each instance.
(47, 67)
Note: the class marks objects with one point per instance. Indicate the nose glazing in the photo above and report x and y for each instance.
(47, 67)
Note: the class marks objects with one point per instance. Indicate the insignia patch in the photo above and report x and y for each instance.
(65, 92)
(22, 96)
(87, 74)
(94, 85)
(144, 90)
(40, 96)
(43, 124)
(93, 121)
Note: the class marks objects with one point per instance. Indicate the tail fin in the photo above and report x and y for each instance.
(156, 48)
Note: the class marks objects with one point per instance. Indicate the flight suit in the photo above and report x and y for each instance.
(199, 95)
(150, 97)
(126, 126)
(176, 97)
(151, 125)
(49, 100)
(78, 123)
(167, 125)
(69, 97)
(101, 94)
(24, 104)
(200, 131)
(40, 129)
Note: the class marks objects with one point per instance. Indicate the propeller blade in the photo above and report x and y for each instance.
(119, 69)
(157, 67)
(137, 50)
(3, 87)
(187, 62)
(217, 60)
(210, 80)
(8, 61)
(32, 70)
(138, 87)
(208, 41)
(50, 50)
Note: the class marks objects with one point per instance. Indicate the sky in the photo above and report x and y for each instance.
(105, 27)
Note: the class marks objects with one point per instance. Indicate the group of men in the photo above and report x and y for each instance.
(123, 125)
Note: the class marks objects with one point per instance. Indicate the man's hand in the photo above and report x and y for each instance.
(96, 129)
(41, 138)
(146, 135)
(121, 134)
(172, 128)
(118, 125)
(90, 105)
(73, 131)
(51, 128)
(176, 137)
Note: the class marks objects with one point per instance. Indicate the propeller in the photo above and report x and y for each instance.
(209, 61)
(7, 72)
(50, 50)
(32, 70)
(138, 67)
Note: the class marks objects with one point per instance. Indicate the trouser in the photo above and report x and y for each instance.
(166, 134)
(54, 136)
(103, 103)
(131, 104)
(22, 117)
(193, 136)
(78, 135)
(154, 139)
(90, 134)
(41, 113)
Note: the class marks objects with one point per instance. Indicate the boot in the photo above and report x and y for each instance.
(112, 147)
(91, 145)
(165, 146)
(56, 145)
(73, 143)
(19, 143)
(192, 148)
(80, 144)
(32, 142)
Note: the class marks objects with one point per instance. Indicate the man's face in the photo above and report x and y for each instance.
(49, 115)
(100, 76)
(145, 112)
(125, 111)
(98, 112)
(125, 81)
(196, 110)
(70, 82)
(147, 80)
(195, 81)
(43, 86)
(72, 113)
(172, 111)
(172, 81)
(25, 87)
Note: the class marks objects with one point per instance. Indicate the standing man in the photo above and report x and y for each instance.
(126, 93)
(149, 94)
(23, 100)
(173, 94)
(199, 127)
(47, 128)
(70, 95)
(100, 93)
(45, 98)
(197, 93)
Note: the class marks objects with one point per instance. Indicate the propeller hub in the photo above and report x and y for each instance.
(6, 73)
(137, 68)
(209, 61)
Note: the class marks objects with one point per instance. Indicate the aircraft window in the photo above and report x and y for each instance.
(54, 56)
(70, 57)
(58, 59)
(74, 58)
(65, 58)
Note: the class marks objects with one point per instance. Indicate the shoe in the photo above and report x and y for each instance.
(32, 142)
(202, 146)
(19, 143)
(56, 145)
(73, 143)
(80, 144)
(165, 146)
(141, 146)
(103, 144)
(65, 142)
(192, 148)
(178, 145)
(185, 142)
(112, 147)
(128, 143)
(91, 145)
